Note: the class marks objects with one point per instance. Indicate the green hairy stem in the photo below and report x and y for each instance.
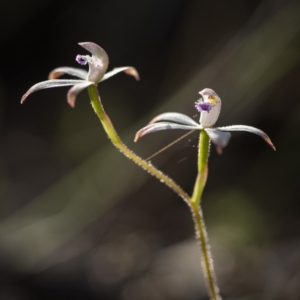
(112, 134)
(202, 167)
(193, 202)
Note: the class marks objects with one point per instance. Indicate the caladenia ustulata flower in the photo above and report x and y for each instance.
(98, 64)
(209, 106)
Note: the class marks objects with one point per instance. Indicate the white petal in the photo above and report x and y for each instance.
(128, 70)
(75, 90)
(175, 117)
(160, 126)
(98, 63)
(248, 129)
(50, 84)
(208, 119)
(76, 72)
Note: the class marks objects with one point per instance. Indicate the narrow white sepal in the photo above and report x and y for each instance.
(248, 129)
(151, 128)
(76, 72)
(50, 84)
(128, 70)
(175, 117)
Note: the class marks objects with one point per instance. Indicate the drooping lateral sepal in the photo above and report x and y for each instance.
(219, 138)
(75, 90)
(151, 128)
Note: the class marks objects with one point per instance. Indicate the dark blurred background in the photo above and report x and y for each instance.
(79, 220)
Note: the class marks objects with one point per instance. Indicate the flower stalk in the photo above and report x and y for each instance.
(203, 152)
(206, 257)
(112, 134)
(200, 229)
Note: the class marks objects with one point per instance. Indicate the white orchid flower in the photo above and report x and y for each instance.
(209, 105)
(98, 64)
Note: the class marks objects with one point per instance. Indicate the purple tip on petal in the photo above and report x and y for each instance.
(81, 59)
(203, 106)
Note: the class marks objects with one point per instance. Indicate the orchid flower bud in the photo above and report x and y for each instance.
(209, 106)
